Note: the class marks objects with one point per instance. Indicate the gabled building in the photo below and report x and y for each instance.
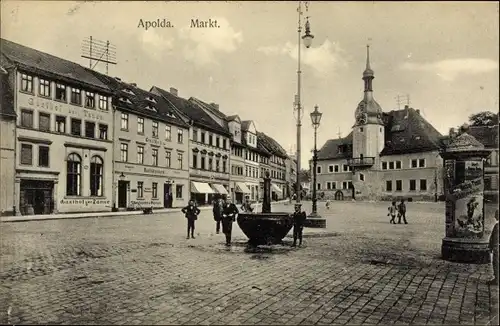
(386, 156)
(209, 149)
(290, 175)
(151, 149)
(63, 142)
(274, 164)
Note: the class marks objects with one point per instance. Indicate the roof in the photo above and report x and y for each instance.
(487, 135)
(271, 145)
(330, 149)
(196, 114)
(7, 98)
(245, 125)
(38, 62)
(210, 108)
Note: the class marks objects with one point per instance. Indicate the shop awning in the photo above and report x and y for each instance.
(201, 188)
(220, 189)
(275, 188)
(241, 187)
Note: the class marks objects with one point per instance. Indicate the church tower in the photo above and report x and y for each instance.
(368, 129)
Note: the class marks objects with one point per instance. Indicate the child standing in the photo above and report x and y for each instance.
(191, 212)
(392, 212)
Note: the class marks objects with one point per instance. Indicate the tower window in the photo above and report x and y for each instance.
(361, 129)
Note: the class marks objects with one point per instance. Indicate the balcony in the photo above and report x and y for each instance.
(361, 161)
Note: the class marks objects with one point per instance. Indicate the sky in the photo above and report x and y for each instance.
(445, 56)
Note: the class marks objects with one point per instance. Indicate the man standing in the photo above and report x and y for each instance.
(229, 214)
(217, 210)
(494, 250)
(299, 217)
(402, 211)
(191, 212)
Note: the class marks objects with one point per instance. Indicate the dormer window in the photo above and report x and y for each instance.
(151, 99)
(126, 100)
(150, 107)
(128, 91)
(170, 115)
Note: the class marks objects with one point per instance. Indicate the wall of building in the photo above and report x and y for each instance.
(7, 165)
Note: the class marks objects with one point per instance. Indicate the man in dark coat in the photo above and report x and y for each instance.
(217, 210)
(494, 250)
(191, 212)
(402, 212)
(299, 217)
(229, 214)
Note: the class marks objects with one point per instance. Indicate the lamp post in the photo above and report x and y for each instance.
(307, 38)
(315, 119)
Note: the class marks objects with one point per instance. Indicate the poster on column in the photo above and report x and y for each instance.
(468, 198)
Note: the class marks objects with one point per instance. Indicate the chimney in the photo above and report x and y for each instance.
(418, 111)
(173, 91)
(133, 84)
(118, 78)
(452, 133)
(406, 107)
(215, 106)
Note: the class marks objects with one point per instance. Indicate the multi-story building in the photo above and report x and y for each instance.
(275, 164)
(209, 149)
(290, 175)
(252, 158)
(7, 145)
(239, 189)
(63, 141)
(151, 149)
(387, 155)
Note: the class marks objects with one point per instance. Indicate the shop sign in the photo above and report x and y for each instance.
(85, 202)
(146, 202)
(63, 108)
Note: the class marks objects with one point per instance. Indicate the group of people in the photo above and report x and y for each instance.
(399, 210)
(225, 213)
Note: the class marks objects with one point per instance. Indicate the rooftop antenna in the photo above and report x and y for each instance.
(339, 134)
(98, 51)
(400, 99)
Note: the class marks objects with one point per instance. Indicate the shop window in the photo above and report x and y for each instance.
(140, 189)
(27, 154)
(74, 175)
(43, 156)
(178, 191)
(154, 190)
(96, 176)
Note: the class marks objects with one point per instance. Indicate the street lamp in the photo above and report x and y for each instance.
(307, 38)
(315, 119)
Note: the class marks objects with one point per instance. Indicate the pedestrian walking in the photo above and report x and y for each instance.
(392, 212)
(217, 210)
(327, 204)
(494, 250)
(299, 218)
(191, 213)
(402, 211)
(229, 214)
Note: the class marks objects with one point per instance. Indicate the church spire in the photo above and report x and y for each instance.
(368, 74)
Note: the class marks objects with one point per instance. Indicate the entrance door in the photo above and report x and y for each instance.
(122, 194)
(167, 195)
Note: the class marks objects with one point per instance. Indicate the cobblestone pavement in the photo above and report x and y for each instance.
(142, 270)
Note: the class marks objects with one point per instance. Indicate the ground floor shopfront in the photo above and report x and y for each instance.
(204, 193)
(140, 186)
(244, 190)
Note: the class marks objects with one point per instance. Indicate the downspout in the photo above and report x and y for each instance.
(114, 186)
(16, 198)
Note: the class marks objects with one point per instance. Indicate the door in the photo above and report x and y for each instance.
(122, 194)
(167, 195)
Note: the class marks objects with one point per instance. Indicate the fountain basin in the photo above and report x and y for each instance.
(265, 228)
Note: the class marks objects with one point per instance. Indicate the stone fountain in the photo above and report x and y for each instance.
(265, 228)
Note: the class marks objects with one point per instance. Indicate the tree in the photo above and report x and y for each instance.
(484, 118)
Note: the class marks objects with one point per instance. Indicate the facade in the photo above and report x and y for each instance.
(275, 165)
(252, 154)
(388, 155)
(63, 140)
(290, 175)
(150, 151)
(7, 146)
(209, 149)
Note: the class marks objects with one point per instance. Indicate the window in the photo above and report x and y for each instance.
(399, 185)
(74, 175)
(398, 164)
(89, 129)
(318, 169)
(96, 176)
(203, 163)
(384, 165)
(195, 134)
(90, 100)
(334, 185)
(103, 131)
(27, 118)
(413, 185)
(217, 166)
(155, 157)
(224, 166)
(168, 133)
(76, 96)
(103, 102)
(361, 177)
(210, 167)
(26, 154)
(388, 185)
(61, 92)
(155, 129)
(140, 154)
(60, 124)
(178, 191)
(140, 189)
(330, 168)
(345, 185)
(180, 136)
(203, 137)
(44, 87)
(154, 190)
(391, 165)
(423, 184)
(27, 83)
(76, 127)
(44, 121)
(328, 185)
(179, 160)
(318, 186)
(224, 143)
(195, 160)
(414, 163)
(346, 168)
(124, 121)
(124, 152)
(421, 163)
(168, 159)
(336, 168)
(43, 156)
(217, 141)
(210, 139)
(140, 125)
